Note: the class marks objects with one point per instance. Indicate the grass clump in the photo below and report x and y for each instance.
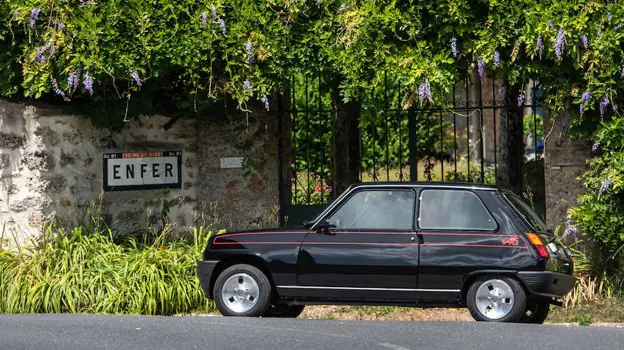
(90, 270)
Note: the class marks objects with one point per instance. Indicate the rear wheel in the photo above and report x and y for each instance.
(536, 312)
(242, 290)
(496, 299)
(284, 311)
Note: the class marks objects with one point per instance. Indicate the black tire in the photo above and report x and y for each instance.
(536, 312)
(519, 300)
(260, 304)
(284, 311)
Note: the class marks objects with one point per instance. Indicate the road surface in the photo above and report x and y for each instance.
(142, 332)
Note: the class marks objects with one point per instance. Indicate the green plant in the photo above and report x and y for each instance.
(81, 271)
(583, 320)
(600, 213)
(188, 58)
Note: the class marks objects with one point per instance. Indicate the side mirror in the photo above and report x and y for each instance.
(324, 227)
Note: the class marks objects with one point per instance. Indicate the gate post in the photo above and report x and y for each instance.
(346, 156)
(511, 171)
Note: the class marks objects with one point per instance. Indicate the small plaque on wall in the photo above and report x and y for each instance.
(127, 171)
(232, 162)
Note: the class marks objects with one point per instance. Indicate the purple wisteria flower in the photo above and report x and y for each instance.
(454, 47)
(424, 91)
(585, 41)
(480, 67)
(60, 25)
(599, 33)
(585, 98)
(58, 91)
(604, 103)
(204, 17)
(618, 27)
(570, 228)
(250, 54)
(609, 16)
(136, 78)
(614, 106)
(52, 49)
(501, 90)
(540, 46)
(559, 44)
(221, 24)
(213, 10)
(496, 58)
(596, 146)
(521, 99)
(39, 55)
(34, 15)
(72, 80)
(604, 186)
(265, 101)
(88, 2)
(565, 122)
(622, 75)
(16, 13)
(247, 85)
(88, 83)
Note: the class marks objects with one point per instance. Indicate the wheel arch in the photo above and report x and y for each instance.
(247, 259)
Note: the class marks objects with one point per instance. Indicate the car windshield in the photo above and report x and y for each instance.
(537, 224)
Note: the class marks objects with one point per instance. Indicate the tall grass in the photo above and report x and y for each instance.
(89, 270)
(592, 281)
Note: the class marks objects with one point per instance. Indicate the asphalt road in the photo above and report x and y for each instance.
(141, 332)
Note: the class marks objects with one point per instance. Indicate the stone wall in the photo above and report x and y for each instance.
(565, 161)
(51, 166)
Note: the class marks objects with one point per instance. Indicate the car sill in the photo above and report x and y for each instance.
(374, 289)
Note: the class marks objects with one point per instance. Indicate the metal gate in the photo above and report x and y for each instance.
(402, 140)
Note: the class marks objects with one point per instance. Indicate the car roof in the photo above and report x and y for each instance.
(472, 186)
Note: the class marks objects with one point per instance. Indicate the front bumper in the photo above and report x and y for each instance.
(546, 283)
(204, 273)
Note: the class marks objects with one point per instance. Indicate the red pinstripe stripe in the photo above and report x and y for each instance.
(375, 244)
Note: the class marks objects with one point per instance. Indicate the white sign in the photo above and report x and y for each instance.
(232, 162)
(142, 170)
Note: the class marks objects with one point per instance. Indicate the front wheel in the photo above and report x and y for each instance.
(284, 311)
(242, 290)
(496, 299)
(536, 312)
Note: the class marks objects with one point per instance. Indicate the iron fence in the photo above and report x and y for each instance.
(402, 140)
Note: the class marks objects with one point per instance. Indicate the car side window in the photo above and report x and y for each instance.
(453, 210)
(376, 210)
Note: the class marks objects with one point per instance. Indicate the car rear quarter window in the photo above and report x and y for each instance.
(453, 210)
(376, 210)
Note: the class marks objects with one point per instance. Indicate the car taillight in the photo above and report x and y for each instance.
(538, 244)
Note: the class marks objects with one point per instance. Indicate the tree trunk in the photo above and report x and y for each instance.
(511, 170)
(345, 143)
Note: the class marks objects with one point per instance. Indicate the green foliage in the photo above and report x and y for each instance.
(533, 126)
(599, 215)
(84, 271)
(583, 320)
(191, 64)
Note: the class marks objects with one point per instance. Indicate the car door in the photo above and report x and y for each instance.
(459, 235)
(371, 253)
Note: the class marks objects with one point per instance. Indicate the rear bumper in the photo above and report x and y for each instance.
(546, 283)
(204, 273)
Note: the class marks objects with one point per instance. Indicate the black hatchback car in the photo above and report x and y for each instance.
(408, 244)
